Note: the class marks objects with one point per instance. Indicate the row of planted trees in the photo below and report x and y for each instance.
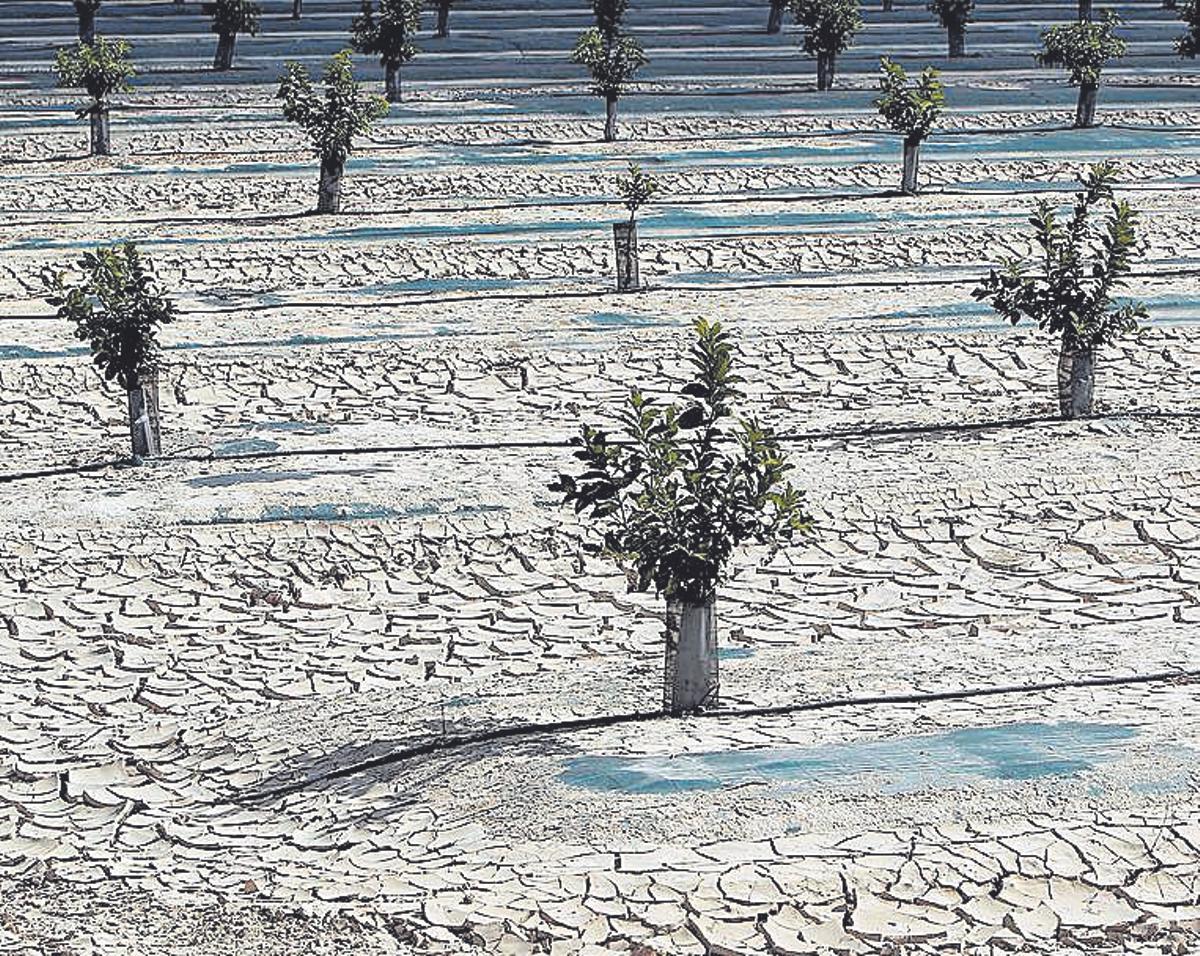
(681, 485)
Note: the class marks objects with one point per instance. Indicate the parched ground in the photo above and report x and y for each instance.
(337, 675)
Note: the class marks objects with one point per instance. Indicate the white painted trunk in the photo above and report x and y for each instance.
(692, 679)
(1076, 379)
(912, 156)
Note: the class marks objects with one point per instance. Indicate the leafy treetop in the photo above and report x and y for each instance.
(911, 110)
(116, 309)
(952, 13)
(1069, 290)
(636, 189)
(388, 35)
(102, 68)
(1083, 48)
(333, 120)
(829, 25)
(234, 16)
(686, 484)
(609, 15)
(612, 61)
(1189, 44)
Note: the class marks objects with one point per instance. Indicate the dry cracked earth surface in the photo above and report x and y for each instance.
(243, 688)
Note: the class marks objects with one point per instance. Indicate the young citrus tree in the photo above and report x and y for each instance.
(1189, 44)
(829, 29)
(610, 56)
(954, 15)
(388, 36)
(1068, 289)
(102, 68)
(331, 121)
(676, 494)
(229, 18)
(911, 111)
(636, 189)
(85, 10)
(115, 306)
(1084, 48)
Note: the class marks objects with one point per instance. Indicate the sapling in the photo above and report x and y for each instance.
(1083, 48)
(636, 189)
(229, 18)
(911, 111)
(102, 68)
(829, 29)
(953, 15)
(1189, 44)
(676, 494)
(85, 11)
(1068, 288)
(115, 306)
(389, 36)
(331, 121)
(610, 56)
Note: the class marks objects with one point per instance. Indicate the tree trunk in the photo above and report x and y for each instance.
(392, 81)
(912, 158)
(224, 58)
(1076, 378)
(957, 34)
(887, 6)
(145, 437)
(101, 138)
(297, 9)
(1085, 110)
(775, 19)
(443, 19)
(610, 117)
(87, 25)
(329, 195)
(625, 242)
(1085, 10)
(692, 678)
(825, 64)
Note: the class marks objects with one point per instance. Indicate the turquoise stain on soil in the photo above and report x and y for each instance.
(1012, 752)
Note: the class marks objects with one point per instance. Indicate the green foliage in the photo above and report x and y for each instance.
(388, 35)
(952, 13)
(612, 61)
(1189, 44)
(116, 309)
(829, 25)
(636, 189)
(686, 484)
(333, 120)
(1083, 48)
(1068, 290)
(102, 67)
(233, 16)
(910, 110)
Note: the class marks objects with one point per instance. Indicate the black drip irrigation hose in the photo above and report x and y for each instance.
(558, 444)
(450, 743)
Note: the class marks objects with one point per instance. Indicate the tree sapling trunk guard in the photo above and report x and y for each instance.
(684, 486)
(115, 307)
(775, 16)
(443, 19)
(1068, 288)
